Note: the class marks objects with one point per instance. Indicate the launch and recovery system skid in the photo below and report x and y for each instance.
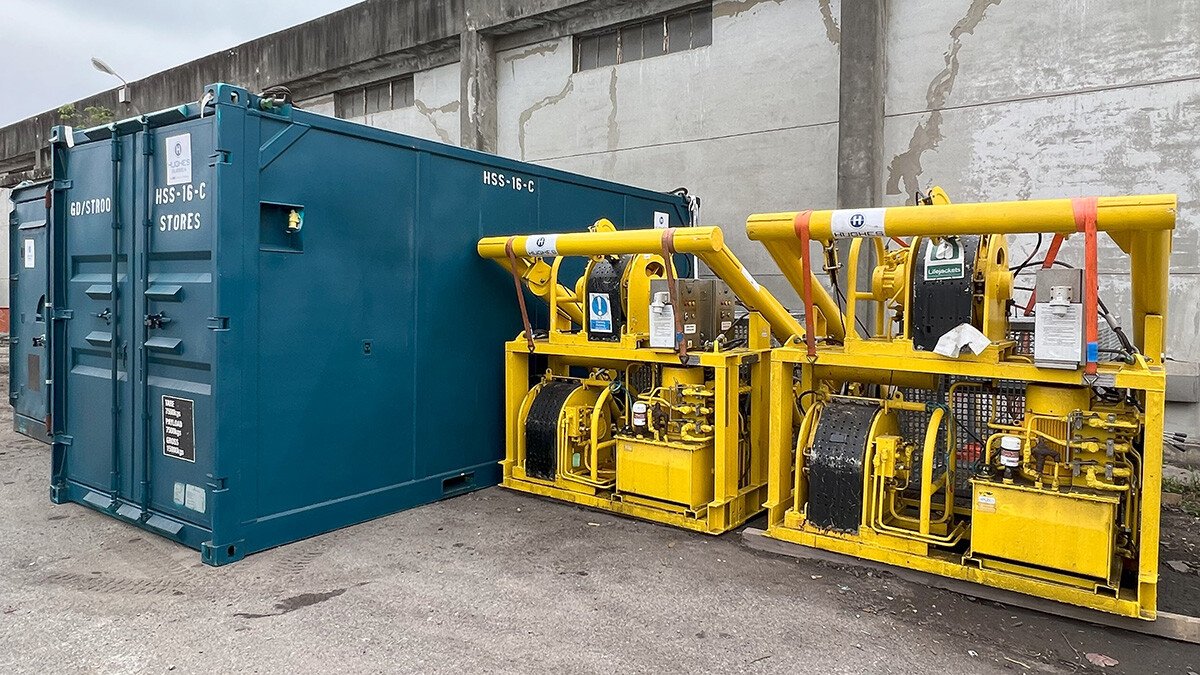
(945, 432)
(646, 393)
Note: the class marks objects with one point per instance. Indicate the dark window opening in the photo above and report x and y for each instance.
(374, 98)
(664, 34)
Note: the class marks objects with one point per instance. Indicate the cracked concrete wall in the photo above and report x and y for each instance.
(1017, 99)
(434, 114)
(748, 123)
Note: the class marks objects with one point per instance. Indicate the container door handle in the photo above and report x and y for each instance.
(156, 320)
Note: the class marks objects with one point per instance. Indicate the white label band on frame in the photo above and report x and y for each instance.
(857, 222)
(541, 245)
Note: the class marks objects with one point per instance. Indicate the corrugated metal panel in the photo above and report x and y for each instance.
(246, 385)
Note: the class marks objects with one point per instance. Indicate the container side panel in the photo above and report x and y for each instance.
(175, 298)
(465, 305)
(99, 329)
(335, 329)
(29, 288)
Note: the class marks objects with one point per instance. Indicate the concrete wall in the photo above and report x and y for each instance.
(434, 114)
(991, 99)
(748, 123)
(1018, 99)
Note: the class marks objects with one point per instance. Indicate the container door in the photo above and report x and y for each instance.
(175, 340)
(29, 287)
(92, 325)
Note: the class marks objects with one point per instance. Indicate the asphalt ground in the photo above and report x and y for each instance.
(491, 582)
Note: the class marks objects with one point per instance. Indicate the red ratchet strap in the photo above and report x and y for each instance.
(668, 247)
(1085, 209)
(1051, 255)
(801, 225)
(512, 264)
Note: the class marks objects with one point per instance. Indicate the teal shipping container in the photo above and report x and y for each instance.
(265, 324)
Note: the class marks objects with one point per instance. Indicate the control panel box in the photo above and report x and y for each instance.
(1058, 339)
(708, 312)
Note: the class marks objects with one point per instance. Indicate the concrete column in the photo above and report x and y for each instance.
(860, 124)
(860, 106)
(478, 92)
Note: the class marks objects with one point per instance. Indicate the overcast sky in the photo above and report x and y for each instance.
(47, 45)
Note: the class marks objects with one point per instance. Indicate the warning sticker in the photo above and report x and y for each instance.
(857, 222)
(179, 428)
(600, 317)
(662, 327)
(661, 220)
(541, 245)
(30, 257)
(986, 503)
(944, 260)
(179, 159)
(195, 498)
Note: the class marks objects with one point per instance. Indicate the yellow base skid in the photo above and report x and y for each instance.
(854, 546)
(714, 519)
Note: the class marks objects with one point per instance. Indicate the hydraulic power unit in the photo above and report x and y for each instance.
(29, 284)
(644, 394)
(934, 437)
(263, 324)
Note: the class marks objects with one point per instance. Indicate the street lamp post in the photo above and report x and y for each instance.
(123, 92)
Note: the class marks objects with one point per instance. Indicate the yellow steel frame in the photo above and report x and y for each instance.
(563, 347)
(1141, 226)
(731, 505)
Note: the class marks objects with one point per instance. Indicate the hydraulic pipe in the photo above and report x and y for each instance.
(1056, 216)
(706, 243)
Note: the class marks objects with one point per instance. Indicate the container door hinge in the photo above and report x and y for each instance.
(62, 314)
(63, 439)
(216, 484)
(61, 185)
(217, 323)
(220, 157)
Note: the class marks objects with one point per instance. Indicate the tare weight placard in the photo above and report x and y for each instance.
(179, 428)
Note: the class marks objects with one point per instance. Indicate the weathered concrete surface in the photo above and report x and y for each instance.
(478, 90)
(860, 103)
(434, 114)
(748, 123)
(492, 582)
(1011, 99)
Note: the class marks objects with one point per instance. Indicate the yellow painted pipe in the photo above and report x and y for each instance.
(786, 255)
(537, 280)
(706, 243)
(1057, 216)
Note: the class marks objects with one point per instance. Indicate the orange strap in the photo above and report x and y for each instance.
(801, 225)
(1085, 222)
(1051, 255)
(668, 247)
(512, 263)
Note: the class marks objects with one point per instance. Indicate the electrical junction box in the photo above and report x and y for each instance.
(1058, 336)
(707, 306)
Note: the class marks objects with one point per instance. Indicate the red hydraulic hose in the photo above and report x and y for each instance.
(1051, 255)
